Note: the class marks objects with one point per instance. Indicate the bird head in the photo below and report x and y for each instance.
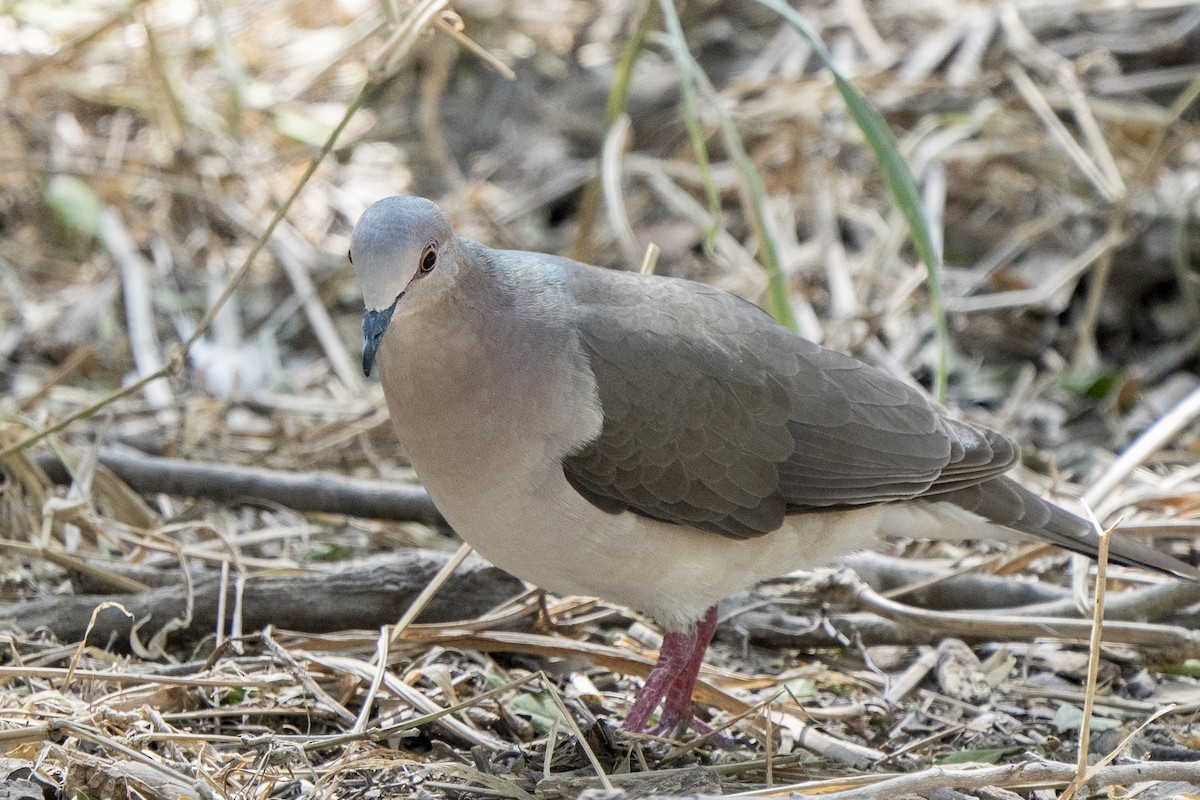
(406, 259)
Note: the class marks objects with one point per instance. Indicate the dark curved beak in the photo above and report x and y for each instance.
(374, 326)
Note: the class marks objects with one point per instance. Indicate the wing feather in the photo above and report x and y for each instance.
(730, 424)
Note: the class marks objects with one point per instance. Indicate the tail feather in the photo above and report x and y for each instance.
(1005, 502)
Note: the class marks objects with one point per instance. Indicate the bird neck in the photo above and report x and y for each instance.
(512, 353)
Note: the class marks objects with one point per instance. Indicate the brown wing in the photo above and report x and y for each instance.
(717, 417)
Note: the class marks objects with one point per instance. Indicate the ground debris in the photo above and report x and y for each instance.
(217, 632)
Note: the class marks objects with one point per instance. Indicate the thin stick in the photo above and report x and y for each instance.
(650, 260)
(451, 24)
(1089, 696)
(551, 739)
(381, 652)
(562, 709)
(616, 142)
(1147, 444)
(78, 654)
(323, 698)
(581, 250)
(434, 585)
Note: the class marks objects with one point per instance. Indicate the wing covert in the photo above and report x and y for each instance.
(730, 425)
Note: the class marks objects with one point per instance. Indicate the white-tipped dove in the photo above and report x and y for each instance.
(657, 442)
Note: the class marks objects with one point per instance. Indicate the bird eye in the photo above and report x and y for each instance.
(428, 258)
(350, 256)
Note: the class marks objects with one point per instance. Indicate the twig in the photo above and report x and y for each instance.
(977, 625)
(878, 51)
(1084, 355)
(1029, 774)
(650, 259)
(432, 588)
(450, 23)
(926, 660)
(295, 258)
(414, 697)
(843, 303)
(380, 659)
(420, 16)
(1044, 291)
(589, 206)
(76, 359)
(1093, 669)
(552, 690)
(302, 677)
(1147, 444)
(966, 64)
(616, 141)
(301, 491)
(135, 281)
(431, 88)
(690, 76)
(1059, 133)
(1063, 72)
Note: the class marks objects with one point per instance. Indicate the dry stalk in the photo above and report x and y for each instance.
(1089, 697)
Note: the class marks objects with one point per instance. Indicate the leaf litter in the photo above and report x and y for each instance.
(147, 146)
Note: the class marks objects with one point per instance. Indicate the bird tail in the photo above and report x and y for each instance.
(1005, 502)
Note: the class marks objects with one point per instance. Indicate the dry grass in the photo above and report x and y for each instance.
(147, 148)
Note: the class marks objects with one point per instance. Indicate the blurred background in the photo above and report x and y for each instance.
(147, 146)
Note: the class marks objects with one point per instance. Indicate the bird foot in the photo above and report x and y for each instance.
(671, 682)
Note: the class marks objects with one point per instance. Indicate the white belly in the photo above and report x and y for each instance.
(564, 544)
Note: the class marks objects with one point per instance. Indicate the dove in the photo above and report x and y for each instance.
(657, 442)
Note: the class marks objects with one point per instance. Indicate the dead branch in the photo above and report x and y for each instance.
(932, 782)
(226, 483)
(975, 625)
(1150, 604)
(777, 629)
(1024, 774)
(361, 594)
(947, 590)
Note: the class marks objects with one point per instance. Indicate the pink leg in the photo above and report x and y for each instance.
(673, 679)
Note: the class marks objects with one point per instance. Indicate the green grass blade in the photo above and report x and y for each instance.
(899, 180)
(688, 74)
(618, 96)
(693, 77)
